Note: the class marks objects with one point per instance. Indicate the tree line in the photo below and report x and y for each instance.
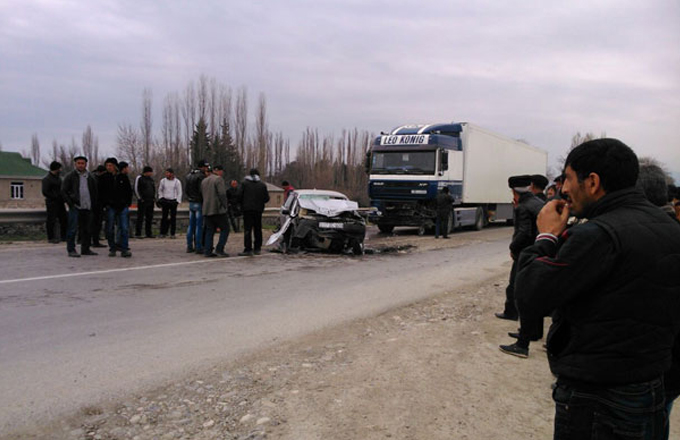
(208, 120)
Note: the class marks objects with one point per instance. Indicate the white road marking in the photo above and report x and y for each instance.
(122, 269)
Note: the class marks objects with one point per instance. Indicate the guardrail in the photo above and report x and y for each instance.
(37, 216)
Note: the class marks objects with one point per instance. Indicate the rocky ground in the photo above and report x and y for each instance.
(430, 370)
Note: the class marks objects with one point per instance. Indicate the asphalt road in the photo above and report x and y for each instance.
(76, 331)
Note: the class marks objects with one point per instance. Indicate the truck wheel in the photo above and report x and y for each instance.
(386, 229)
(479, 218)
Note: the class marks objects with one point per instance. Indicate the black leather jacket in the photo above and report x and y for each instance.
(613, 284)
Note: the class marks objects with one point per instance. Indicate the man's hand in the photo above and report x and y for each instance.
(553, 218)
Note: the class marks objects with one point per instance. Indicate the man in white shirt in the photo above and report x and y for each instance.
(169, 196)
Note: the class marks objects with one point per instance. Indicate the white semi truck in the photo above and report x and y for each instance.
(410, 164)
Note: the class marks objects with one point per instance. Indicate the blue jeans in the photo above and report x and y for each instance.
(122, 234)
(634, 411)
(195, 230)
(212, 222)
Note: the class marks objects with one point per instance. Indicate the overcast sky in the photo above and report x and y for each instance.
(533, 70)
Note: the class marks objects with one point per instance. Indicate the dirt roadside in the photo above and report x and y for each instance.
(430, 370)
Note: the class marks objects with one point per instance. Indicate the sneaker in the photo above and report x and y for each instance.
(506, 316)
(126, 254)
(112, 253)
(245, 254)
(74, 254)
(88, 252)
(515, 350)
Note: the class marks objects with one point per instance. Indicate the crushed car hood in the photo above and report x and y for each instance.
(329, 208)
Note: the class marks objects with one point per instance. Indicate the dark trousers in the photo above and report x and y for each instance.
(252, 224)
(211, 223)
(529, 330)
(168, 207)
(56, 212)
(79, 220)
(585, 411)
(442, 225)
(510, 306)
(145, 217)
(97, 220)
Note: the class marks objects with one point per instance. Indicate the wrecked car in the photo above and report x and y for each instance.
(313, 219)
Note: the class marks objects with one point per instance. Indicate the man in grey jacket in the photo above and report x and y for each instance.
(215, 207)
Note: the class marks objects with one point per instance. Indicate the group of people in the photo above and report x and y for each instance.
(213, 206)
(602, 259)
(105, 196)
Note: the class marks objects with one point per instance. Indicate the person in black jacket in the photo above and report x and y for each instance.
(79, 191)
(612, 285)
(538, 184)
(195, 233)
(527, 207)
(444, 205)
(145, 190)
(253, 195)
(54, 202)
(98, 213)
(116, 197)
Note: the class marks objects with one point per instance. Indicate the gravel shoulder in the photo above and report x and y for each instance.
(429, 370)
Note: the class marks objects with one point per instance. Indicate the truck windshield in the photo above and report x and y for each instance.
(403, 162)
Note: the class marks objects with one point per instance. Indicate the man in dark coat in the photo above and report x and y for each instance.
(116, 197)
(195, 233)
(527, 207)
(79, 191)
(234, 206)
(98, 214)
(538, 184)
(54, 202)
(145, 190)
(444, 204)
(253, 196)
(612, 285)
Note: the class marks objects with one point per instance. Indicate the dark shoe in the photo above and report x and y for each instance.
(112, 253)
(190, 250)
(126, 254)
(139, 236)
(54, 241)
(446, 237)
(436, 236)
(245, 254)
(515, 350)
(74, 254)
(513, 335)
(199, 251)
(150, 236)
(257, 251)
(98, 245)
(88, 252)
(211, 255)
(222, 254)
(505, 316)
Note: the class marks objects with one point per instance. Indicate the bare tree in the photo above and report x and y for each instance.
(129, 145)
(90, 146)
(651, 162)
(146, 125)
(262, 135)
(202, 96)
(35, 149)
(241, 121)
(189, 117)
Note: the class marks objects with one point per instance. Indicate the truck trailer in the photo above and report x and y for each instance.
(410, 164)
